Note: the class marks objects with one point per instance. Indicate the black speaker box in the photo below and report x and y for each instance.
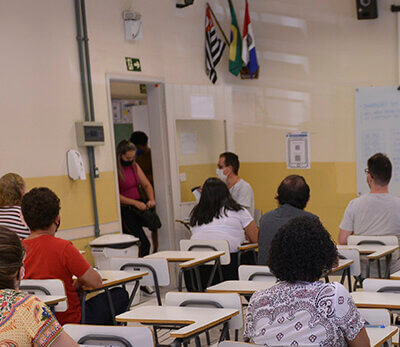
(367, 9)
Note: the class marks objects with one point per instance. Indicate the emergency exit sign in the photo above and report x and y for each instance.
(133, 64)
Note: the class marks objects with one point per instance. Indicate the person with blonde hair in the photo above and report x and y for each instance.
(12, 189)
(24, 319)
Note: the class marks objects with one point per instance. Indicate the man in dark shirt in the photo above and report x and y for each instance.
(143, 159)
(293, 195)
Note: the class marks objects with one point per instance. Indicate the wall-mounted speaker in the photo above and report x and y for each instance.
(367, 9)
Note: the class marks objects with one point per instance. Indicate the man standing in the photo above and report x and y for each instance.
(377, 212)
(228, 171)
(293, 195)
(143, 159)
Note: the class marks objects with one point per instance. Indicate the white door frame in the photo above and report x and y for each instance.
(163, 179)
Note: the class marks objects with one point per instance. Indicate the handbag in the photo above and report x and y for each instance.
(148, 218)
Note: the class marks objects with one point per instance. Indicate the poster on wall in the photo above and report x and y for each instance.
(116, 110)
(298, 150)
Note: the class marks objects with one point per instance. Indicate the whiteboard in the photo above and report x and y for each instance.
(377, 130)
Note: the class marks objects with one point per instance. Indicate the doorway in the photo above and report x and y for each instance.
(140, 105)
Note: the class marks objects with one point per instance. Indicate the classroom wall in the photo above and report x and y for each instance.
(312, 55)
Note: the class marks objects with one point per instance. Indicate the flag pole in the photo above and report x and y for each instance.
(216, 21)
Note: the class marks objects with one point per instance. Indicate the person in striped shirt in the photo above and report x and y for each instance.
(12, 189)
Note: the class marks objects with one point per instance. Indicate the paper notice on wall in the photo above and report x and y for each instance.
(189, 143)
(202, 106)
(298, 150)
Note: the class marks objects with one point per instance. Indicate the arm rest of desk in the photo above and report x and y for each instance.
(248, 246)
(381, 253)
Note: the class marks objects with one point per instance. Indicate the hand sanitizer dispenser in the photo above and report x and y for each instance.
(75, 167)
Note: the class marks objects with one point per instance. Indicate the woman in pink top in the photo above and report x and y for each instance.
(130, 176)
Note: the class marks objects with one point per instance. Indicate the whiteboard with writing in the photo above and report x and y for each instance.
(377, 130)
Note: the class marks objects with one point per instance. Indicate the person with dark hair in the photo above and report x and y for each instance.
(50, 257)
(377, 212)
(130, 178)
(12, 189)
(218, 216)
(228, 172)
(293, 195)
(143, 159)
(24, 319)
(301, 310)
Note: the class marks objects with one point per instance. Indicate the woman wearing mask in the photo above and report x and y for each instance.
(130, 179)
(24, 319)
(12, 189)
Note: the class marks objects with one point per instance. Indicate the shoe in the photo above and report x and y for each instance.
(147, 290)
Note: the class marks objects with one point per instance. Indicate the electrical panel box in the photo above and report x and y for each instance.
(89, 133)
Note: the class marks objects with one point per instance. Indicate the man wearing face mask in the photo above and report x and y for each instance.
(48, 257)
(377, 212)
(228, 171)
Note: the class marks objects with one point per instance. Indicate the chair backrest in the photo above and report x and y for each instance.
(255, 273)
(110, 335)
(156, 265)
(257, 216)
(235, 344)
(354, 254)
(375, 316)
(46, 287)
(386, 240)
(225, 300)
(208, 245)
(381, 285)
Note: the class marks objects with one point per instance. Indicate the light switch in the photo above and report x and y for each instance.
(182, 176)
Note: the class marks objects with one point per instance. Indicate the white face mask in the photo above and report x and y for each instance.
(221, 176)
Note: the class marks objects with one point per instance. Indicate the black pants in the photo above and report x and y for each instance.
(131, 224)
(97, 310)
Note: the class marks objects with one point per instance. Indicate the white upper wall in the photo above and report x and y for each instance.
(312, 53)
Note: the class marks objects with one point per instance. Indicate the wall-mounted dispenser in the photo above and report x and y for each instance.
(75, 167)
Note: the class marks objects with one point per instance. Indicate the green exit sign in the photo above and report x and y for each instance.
(133, 64)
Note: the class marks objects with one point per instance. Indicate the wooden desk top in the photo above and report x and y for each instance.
(373, 251)
(196, 319)
(247, 246)
(378, 336)
(112, 278)
(189, 258)
(376, 300)
(343, 263)
(395, 276)
(51, 300)
(241, 287)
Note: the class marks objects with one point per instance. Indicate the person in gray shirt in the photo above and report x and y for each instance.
(293, 195)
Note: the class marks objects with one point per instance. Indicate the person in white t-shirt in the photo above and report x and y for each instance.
(377, 212)
(218, 216)
(228, 171)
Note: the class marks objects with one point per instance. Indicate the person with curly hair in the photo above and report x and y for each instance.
(12, 189)
(301, 310)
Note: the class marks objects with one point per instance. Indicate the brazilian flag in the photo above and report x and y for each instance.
(235, 47)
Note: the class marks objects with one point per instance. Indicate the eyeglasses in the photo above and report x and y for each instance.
(366, 171)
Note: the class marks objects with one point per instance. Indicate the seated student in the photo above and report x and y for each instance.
(218, 217)
(24, 319)
(301, 310)
(293, 195)
(12, 189)
(50, 257)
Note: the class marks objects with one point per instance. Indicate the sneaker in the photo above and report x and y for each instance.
(147, 290)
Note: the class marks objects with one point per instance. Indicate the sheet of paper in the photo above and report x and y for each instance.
(202, 106)
(298, 150)
(189, 143)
